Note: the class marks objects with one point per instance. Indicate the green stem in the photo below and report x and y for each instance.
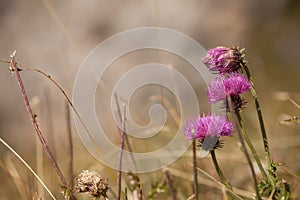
(240, 129)
(220, 173)
(261, 123)
(250, 145)
(240, 134)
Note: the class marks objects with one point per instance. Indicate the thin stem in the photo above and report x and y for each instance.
(35, 125)
(70, 146)
(220, 173)
(170, 184)
(241, 192)
(50, 136)
(250, 145)
(121, 152)
(27, 67)
(244, 148)
(261, 123)
(247, 157)
(28, 167)
(125, 136)
(242, 135)
(126, 139)
(113, 194)
(141, 195)
(195, 171)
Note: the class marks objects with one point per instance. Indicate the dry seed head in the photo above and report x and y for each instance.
(91, 182)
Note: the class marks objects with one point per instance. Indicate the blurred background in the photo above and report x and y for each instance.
(56, 36)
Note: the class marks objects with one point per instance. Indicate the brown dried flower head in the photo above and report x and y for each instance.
(91, 182)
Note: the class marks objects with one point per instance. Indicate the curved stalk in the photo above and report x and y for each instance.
(220, 173)
(261, 123)
(45, 146)
(28, 167)
(250, 145)
(239, 128)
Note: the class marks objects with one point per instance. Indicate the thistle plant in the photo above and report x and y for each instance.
(228, 87)
(233, 80)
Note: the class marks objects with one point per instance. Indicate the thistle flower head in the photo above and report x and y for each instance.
(223, 59)
(92, 182)
(212, 125)
(222, 86)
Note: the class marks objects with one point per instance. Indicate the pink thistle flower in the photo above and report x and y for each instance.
(224, 86)
(200, 127)
(223, 59)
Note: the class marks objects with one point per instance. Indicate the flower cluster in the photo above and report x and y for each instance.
(228, 84)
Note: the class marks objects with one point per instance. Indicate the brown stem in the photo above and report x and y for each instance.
(141, 195)
(125, 136)
(70, 146)
(27, 67)
(170, 184)
(121, 152)
(195, 171)
(35, 125)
